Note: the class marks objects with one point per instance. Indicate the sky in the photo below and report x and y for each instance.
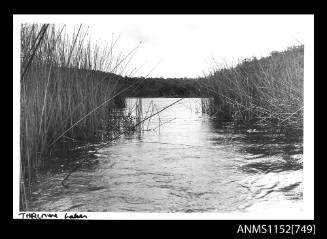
(190, 45)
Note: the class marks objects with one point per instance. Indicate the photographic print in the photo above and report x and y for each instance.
(163, 116)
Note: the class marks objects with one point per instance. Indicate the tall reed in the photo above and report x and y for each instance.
(64, 79)
(266, 91)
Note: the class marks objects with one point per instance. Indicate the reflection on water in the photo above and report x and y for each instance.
(181, 161)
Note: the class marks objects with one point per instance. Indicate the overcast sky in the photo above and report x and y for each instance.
(188, 45)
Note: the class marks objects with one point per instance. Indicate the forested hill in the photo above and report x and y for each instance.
(161, 87)
(146, 87)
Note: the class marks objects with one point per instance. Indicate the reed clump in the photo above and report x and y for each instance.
(266, 92)
(65, 83)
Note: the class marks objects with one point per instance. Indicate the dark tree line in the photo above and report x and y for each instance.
(161, 87)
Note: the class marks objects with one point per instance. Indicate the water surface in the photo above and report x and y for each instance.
(181, 161)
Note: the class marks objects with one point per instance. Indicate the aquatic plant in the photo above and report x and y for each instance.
(266, 91)
(66, 89)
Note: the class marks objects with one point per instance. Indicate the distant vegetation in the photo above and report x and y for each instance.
(163, 87)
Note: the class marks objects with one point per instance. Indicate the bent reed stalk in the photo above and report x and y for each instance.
(64, 85)
(266, 91)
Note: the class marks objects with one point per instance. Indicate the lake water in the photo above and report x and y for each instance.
(181, 161)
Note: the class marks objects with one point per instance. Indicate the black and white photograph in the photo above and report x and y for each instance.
(163, 116)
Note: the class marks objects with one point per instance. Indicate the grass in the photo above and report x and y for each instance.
(66, 91)
(266, 91)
